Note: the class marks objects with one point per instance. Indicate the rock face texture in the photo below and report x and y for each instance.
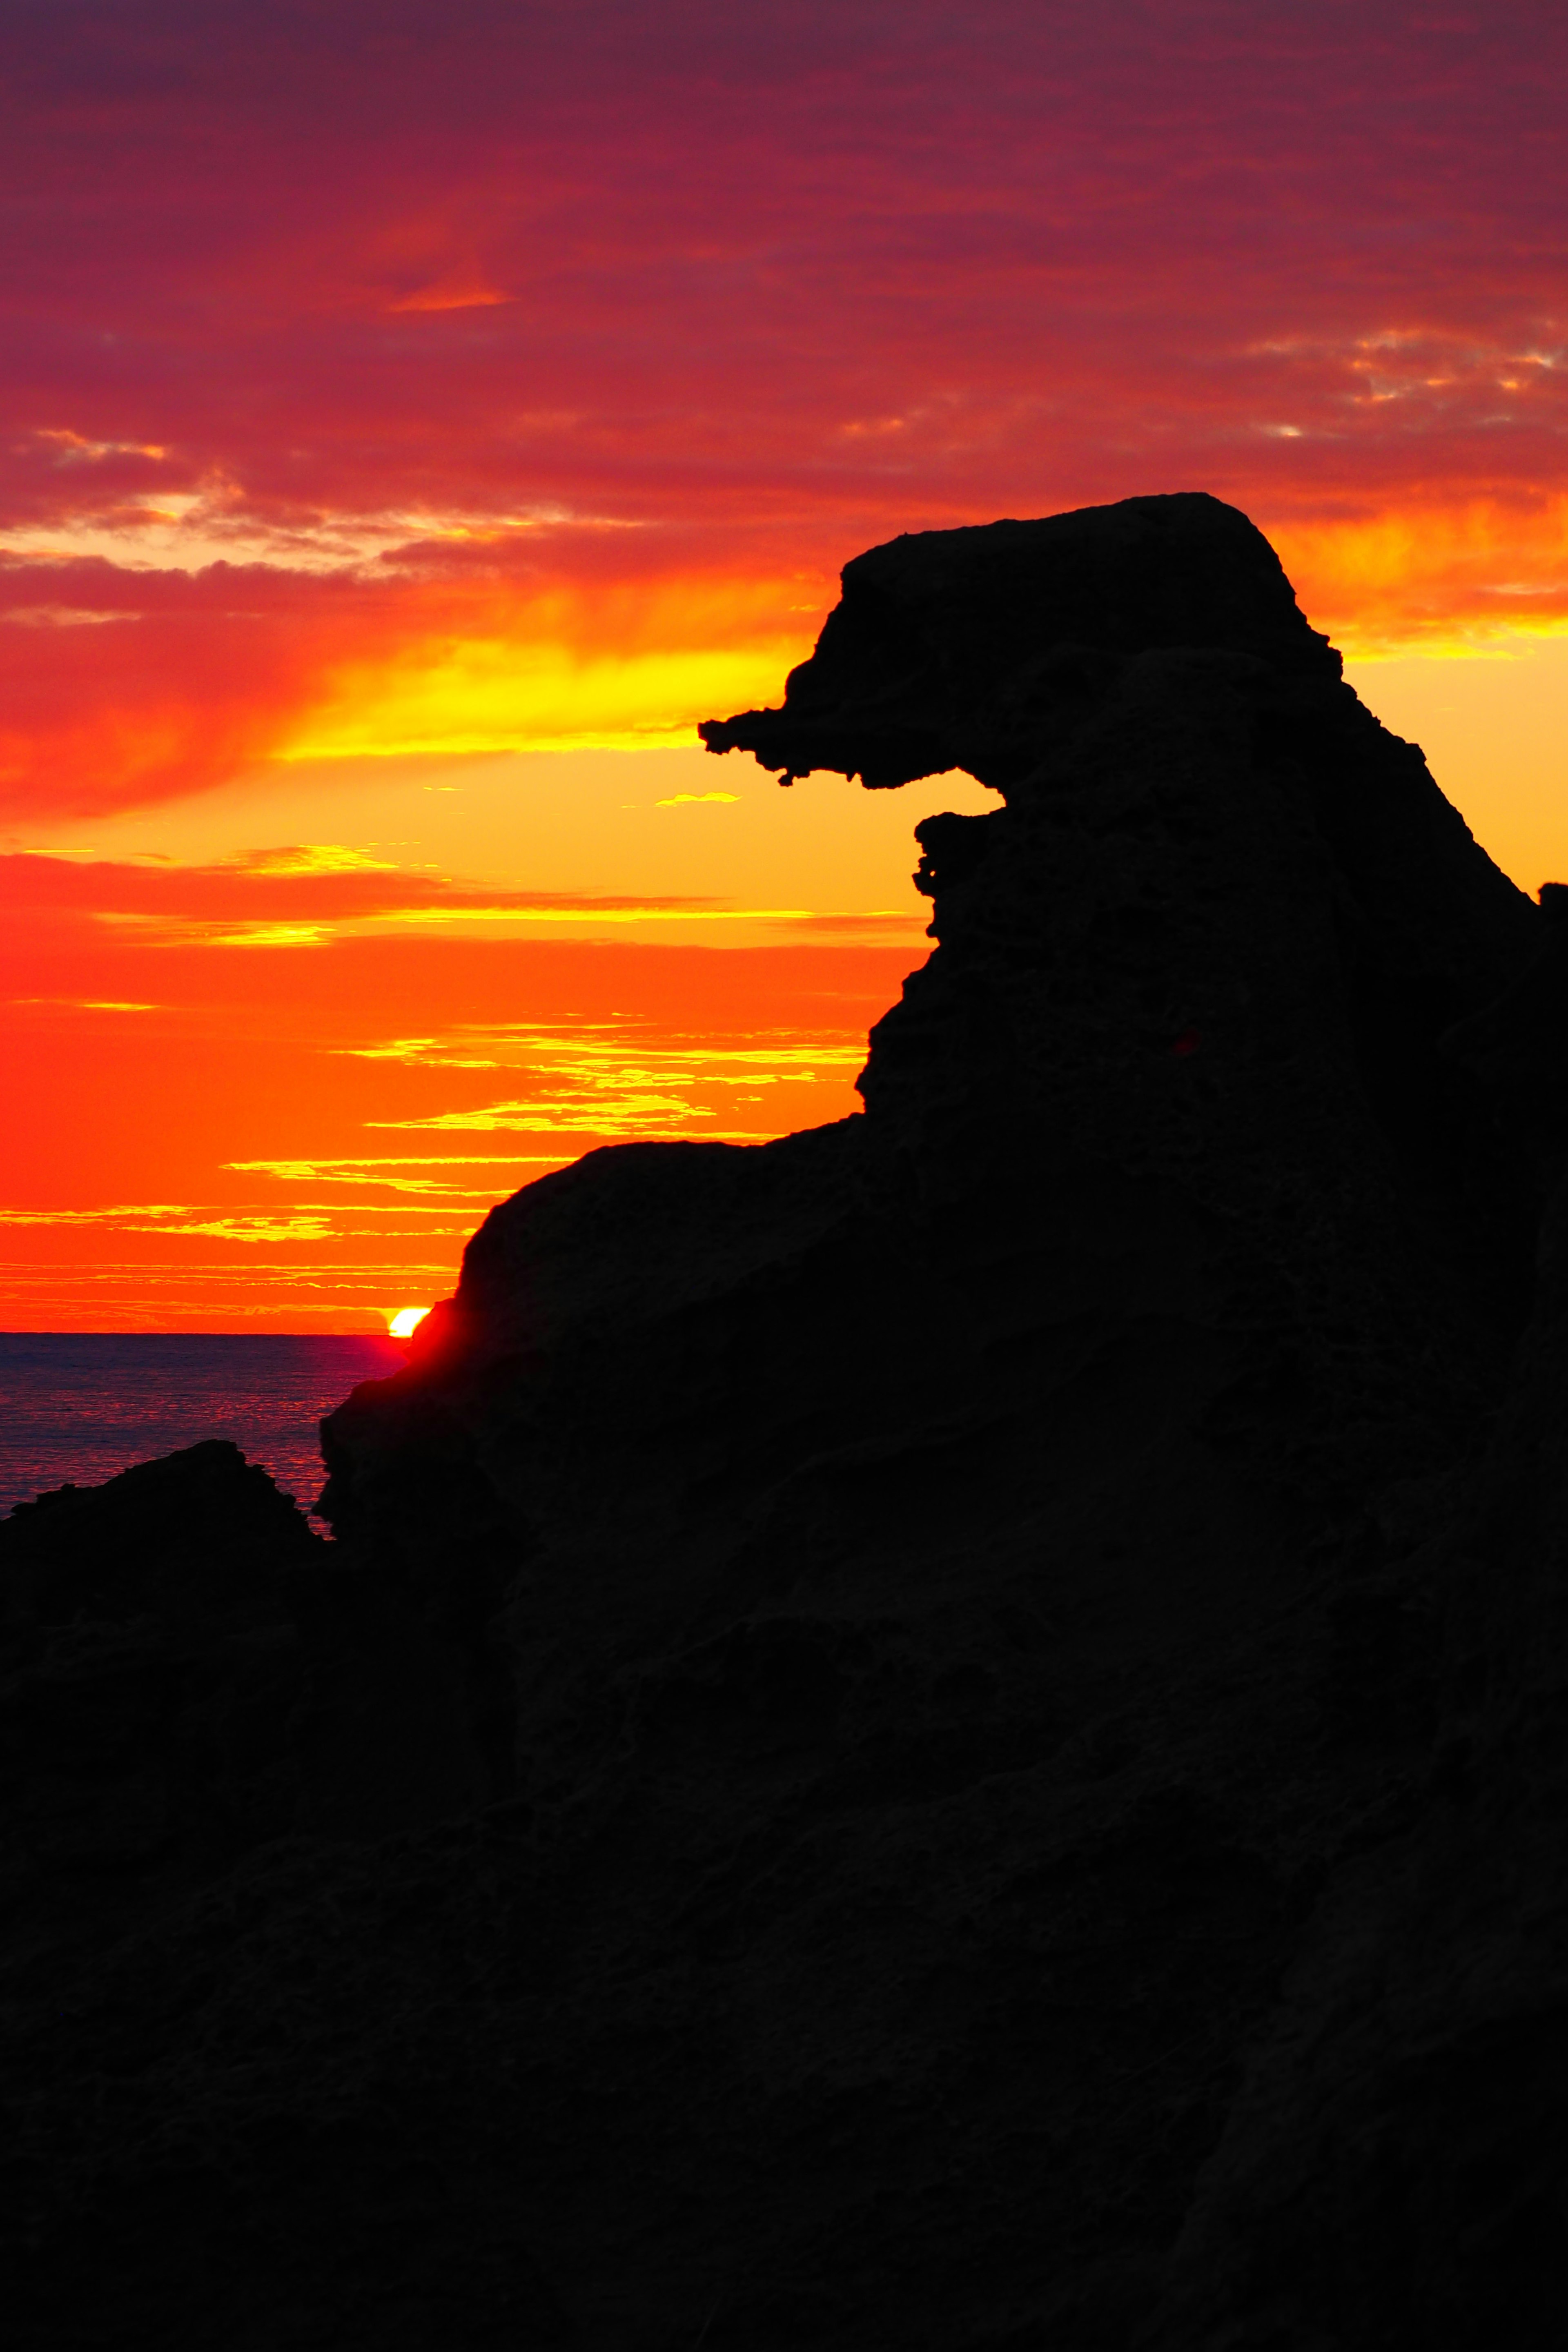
(948, 1733)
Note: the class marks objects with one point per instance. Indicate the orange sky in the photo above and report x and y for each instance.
(415, 419)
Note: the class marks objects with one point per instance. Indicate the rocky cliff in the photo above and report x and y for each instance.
(949, 1732)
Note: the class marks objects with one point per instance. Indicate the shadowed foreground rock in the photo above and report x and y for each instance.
(949, 1733)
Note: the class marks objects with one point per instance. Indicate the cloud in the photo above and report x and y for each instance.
(233, 667)
(460, 296)
(1450, 576)
(310, 895)
(304, 889)
(74, 448)
(403, 381)
(608, 1080)
(314, 857)
(117, 1215)
(161, 1218)
(59, 616)
(519, 380)
(370, 1173)
(643, 1115)
(195, 1131)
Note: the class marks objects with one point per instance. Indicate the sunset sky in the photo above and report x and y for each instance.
(416, 417)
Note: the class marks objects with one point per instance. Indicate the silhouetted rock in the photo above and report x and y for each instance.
(190, 1674)
(150, 1670)
(946, 1733)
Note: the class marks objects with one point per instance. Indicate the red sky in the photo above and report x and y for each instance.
(416, 417)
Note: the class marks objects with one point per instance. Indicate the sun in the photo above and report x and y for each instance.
(407, 1321)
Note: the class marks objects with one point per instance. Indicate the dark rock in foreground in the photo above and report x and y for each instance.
(191, 1675)
(948, 1733)
(151, 1671)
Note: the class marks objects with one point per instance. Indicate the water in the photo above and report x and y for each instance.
(79, 1405)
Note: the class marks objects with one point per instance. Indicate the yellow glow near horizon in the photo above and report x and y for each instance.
(497, 668)
(501, 696)
(406, 1322)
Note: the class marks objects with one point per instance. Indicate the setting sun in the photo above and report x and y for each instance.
(407, 1321)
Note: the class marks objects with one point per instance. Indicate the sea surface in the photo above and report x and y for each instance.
(79, 1406)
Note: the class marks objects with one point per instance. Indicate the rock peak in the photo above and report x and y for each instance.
(963, 649)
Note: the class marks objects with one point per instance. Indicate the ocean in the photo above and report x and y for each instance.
(79, 1406)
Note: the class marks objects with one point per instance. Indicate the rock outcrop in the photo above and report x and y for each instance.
(945, 1733)
(150, 1666)
(189, 1675)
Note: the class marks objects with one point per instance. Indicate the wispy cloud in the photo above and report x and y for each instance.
(92, 1003)
(315, 857)
(307, 895)
(164, 1218)
(143, 1211)
(609, 1081)
(370, 1174)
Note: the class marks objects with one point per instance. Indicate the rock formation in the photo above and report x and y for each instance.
(949, 1732)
